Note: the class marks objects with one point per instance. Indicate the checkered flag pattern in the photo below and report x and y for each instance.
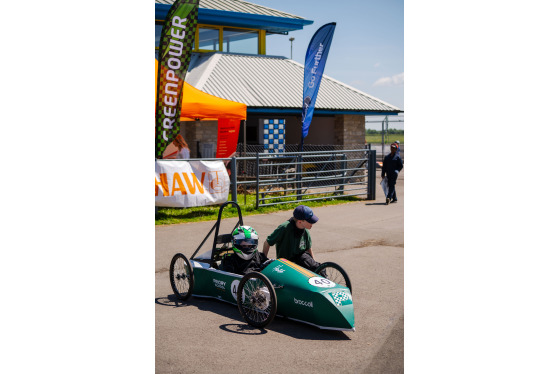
(183, 9)
(341, 298)
(274, 132)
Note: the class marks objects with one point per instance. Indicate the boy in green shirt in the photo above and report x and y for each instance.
(292, 239)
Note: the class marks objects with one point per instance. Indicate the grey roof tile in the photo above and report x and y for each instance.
(273, 82)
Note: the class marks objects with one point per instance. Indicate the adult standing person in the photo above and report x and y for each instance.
(392, 165)
(184, 150)
(293, 240)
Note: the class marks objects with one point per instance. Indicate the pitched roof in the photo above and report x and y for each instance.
(268, 82)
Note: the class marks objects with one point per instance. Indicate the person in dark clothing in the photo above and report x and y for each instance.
(246, 257)
(235, 264)
(392, 164)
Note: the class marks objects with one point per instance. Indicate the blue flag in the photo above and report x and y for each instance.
(315, 60)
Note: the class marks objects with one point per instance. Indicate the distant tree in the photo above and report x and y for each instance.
(389, 131)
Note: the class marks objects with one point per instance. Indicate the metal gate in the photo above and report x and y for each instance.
(305, 176)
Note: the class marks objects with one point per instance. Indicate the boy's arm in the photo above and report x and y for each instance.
(266, 248)
(310, 251)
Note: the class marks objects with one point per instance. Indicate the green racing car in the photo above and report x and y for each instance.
(280, 287)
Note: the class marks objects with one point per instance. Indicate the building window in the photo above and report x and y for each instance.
(240, 41)
(159, 27)
(208, 39)
(223, 39)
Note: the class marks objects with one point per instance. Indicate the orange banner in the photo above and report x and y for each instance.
(228, 132)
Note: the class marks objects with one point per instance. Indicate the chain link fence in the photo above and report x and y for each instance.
(247, 168)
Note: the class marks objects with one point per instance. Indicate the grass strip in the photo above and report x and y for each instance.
(170, 216)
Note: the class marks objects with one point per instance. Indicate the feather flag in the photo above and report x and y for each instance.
(175, 48)
(315, 60)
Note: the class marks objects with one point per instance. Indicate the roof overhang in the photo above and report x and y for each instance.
(319, 112)
(235, 19)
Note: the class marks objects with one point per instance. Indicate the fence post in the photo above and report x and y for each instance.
(233, 168)
(371, 175)
(344, 166)
(374, 169)
(298, 176)
(257, 174)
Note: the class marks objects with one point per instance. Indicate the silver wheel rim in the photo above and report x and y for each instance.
(255, 300)
(334, 275)
(181, 277)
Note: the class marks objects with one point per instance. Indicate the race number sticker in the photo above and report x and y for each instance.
(234, 287)
(321, 282)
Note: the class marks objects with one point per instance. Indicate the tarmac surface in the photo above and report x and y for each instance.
(209, 336)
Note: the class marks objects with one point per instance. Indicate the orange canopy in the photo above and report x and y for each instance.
(200, 105)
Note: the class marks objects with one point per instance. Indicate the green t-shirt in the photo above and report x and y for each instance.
(288, 242)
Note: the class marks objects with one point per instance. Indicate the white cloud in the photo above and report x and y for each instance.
(395, 80)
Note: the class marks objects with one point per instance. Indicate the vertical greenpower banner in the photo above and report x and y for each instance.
(175, 47)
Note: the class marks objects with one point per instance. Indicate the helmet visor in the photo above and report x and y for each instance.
(246, 245)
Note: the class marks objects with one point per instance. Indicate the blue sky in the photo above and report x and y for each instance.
(367, 51)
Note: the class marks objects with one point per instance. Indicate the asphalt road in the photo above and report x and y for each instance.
(208, 336)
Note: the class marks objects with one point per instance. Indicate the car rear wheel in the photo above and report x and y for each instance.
(256, 299)
(335, 273)
(181, 276)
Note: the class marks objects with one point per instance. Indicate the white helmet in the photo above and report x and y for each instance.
(245, 242)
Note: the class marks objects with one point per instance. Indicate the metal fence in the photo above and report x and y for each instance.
(247, 169)
(302, 176)
(313, 175)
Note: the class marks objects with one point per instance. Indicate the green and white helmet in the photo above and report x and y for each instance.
(245, 242)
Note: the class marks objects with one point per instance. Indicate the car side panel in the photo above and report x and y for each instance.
(308, 297)
(210, 282)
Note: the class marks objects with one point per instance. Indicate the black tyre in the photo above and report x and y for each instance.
(256, 299)
(335, 273)
(181, 276)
